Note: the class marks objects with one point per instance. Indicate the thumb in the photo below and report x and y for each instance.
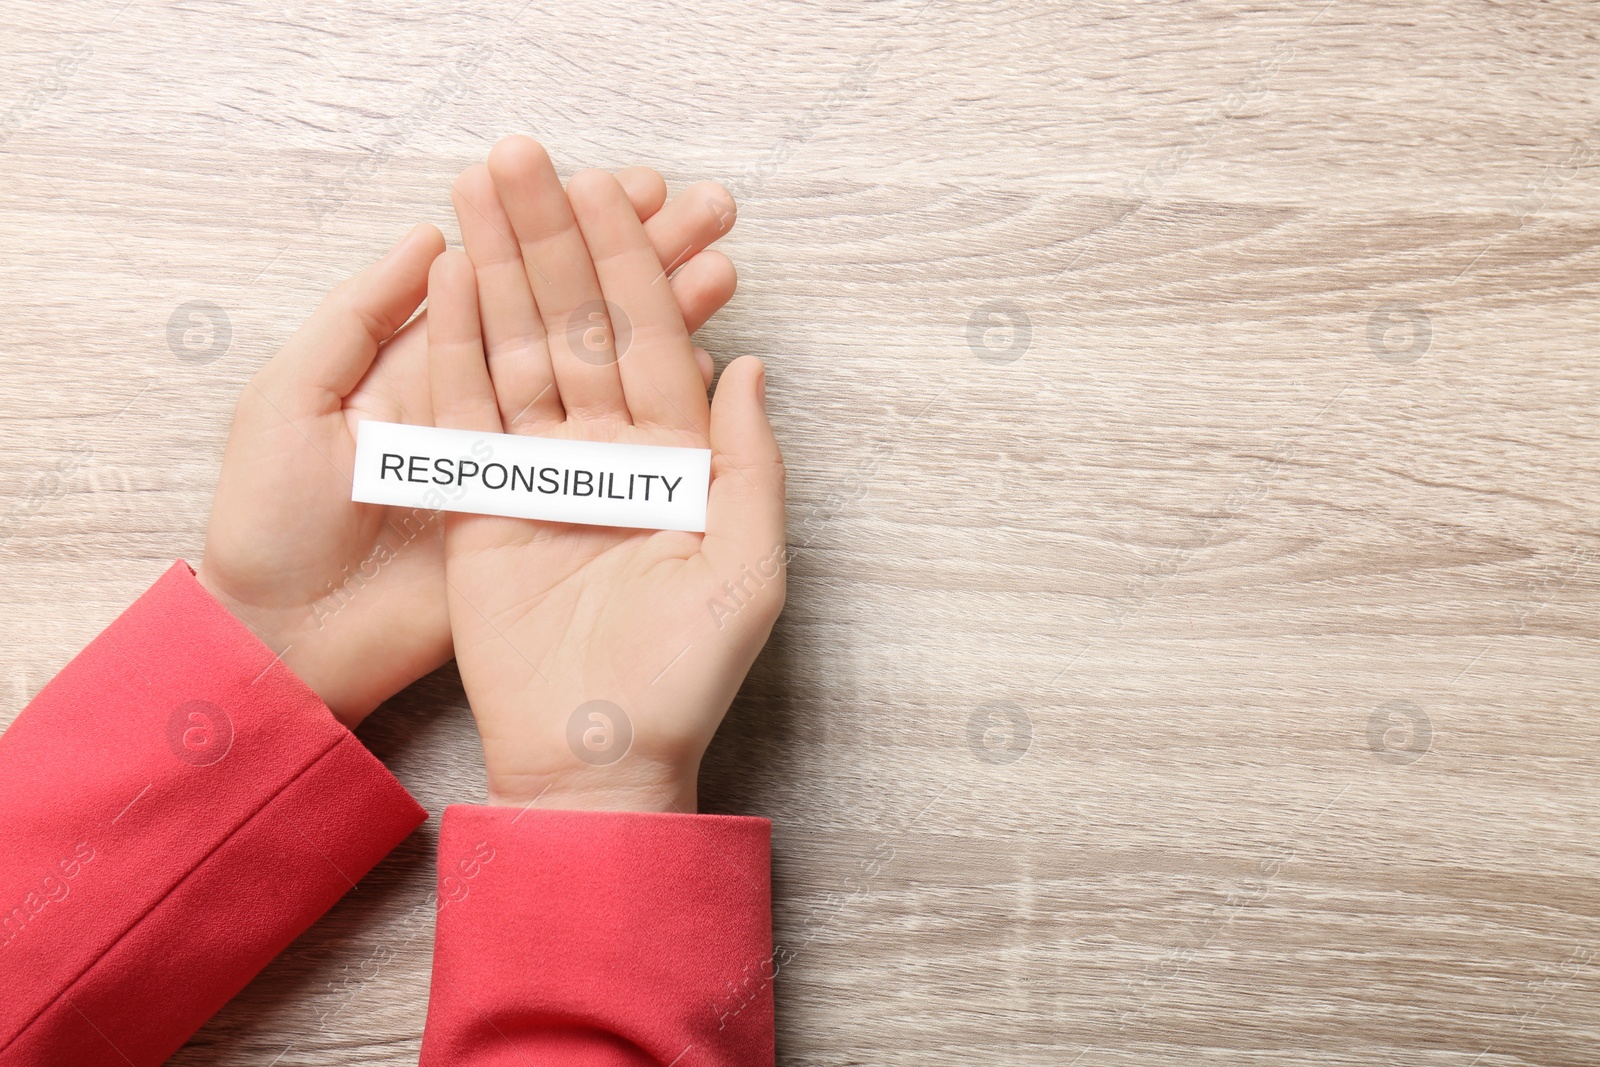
(744, 513)
(338, 342)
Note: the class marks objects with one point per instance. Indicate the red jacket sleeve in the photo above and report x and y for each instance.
(601, 939)
(175, 807)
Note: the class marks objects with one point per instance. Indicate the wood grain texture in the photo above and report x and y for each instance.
(1191, 414)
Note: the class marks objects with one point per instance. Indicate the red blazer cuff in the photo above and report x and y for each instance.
(176, 807)
(593, 938)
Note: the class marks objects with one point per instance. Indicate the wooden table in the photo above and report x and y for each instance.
(1191, 415)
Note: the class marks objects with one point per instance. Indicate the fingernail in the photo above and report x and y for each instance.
(761, 388)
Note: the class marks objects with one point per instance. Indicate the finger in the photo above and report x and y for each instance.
(697, 217)
(645, 188)
(335, 346)
(565, 288)
(744, 513)
(708, 369)
(702, 286)
(519, 361)
(513, 335)
(659, 378)
(694, 219)
(463, 397)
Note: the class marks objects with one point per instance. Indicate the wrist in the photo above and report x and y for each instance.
(659, 791)
(298, 652)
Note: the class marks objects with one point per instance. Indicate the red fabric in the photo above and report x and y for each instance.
(176, 806)
(601, 939)
(152, 861)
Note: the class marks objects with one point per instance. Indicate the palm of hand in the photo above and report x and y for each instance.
(553, 617)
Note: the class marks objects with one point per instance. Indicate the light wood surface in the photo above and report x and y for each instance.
(1263, 557)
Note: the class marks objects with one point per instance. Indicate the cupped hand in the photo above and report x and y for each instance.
(598, 661)
(351, 596)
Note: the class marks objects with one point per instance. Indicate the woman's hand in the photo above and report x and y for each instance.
(598, 661)
(351, 596)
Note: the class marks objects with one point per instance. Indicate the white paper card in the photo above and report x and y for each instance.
(593, 482)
